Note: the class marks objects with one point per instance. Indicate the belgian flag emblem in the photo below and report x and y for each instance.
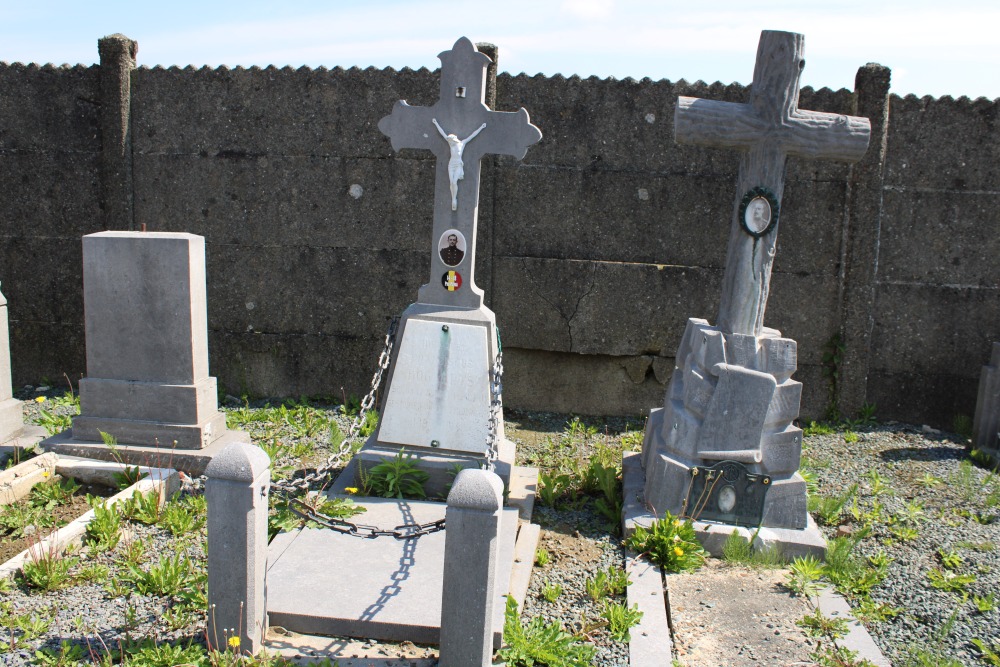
(451, 280)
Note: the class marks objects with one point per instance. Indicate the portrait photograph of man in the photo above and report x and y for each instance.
(452, 247)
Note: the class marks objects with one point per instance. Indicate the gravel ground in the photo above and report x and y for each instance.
(956, 517)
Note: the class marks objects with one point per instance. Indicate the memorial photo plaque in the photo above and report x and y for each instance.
(727, 492)
(758, 212)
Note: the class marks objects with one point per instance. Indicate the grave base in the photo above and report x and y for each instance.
(16, 436)
(191, 461)
(791, 543)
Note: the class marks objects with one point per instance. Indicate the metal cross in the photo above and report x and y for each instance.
(767, 129)
(459, 129)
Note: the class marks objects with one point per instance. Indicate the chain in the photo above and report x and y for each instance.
(496, 405)
(336, 459)
(406, 531)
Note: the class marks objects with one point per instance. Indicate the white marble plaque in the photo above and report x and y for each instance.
(439, 396)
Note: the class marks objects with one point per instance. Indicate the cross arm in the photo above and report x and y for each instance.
(410, 127)
(713, 123)
(829, 136)
(507, 133)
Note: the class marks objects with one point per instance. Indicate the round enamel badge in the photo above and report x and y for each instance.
(451, 280)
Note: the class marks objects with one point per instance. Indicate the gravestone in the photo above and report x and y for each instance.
(987, 420)
(147, 381)
(13, 432)
(440, 403)
(723, 446)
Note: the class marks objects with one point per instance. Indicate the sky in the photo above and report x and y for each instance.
(933, 48)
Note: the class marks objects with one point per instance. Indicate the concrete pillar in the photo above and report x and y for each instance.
(987, 419)
(11, 416)
(117, 62)
(862, 229)
(471, 553)
(236, 491)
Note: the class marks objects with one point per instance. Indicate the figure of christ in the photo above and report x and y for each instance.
(456, 168)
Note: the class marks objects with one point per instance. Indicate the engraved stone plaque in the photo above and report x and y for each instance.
(439, 396)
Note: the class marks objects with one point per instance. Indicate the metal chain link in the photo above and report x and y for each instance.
(496, 405)
(335, 460)
(406, 531)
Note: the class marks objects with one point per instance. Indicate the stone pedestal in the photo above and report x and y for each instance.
(987, 420)
(731, 399)
(147, 381)
(437, 399)
(13, 433)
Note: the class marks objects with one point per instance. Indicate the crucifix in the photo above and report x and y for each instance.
(459, 112)
(767, 129)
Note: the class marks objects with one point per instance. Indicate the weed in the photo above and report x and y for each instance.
(846, 571)
(577, 429)
(612, 581)
(949, 559)
(869, 611)
(178, 518)
(104, 529)
(542, 557)
(932, 655)
(736, 549)
(818, 428)
(142, 507)
(830, 508)
(929, 481)
(818, 625)
(904, 533)
(53, 423)
(850, 437)
(551, 592)
(948, 581)
(92, 573)
(6, 585)
(867, 414)
(670, 543)
(988, 653)
(966, 481)
(168, 577)
(962, 425)
(540, 643)
(551, 486)
(804, 576)
(398, 477)
(48, 496)
(68, 655)
(621, 619)
(876, 482)
(985, 604)
(47, 569)
(826, 655)
(150, 653)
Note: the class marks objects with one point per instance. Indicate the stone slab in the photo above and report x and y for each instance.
(649, 644)
(29, 436)
(191, 461)
(833, 605)
(302, 649)
(524, 561)
(328, 583)
(17, 482)
(440, 394)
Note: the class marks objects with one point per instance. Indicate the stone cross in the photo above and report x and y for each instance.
(459, 129)
(767, 129)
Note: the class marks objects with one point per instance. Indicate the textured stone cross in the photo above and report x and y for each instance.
(767, 129)
(459, 129)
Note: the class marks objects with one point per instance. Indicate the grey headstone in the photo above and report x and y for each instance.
(987, 419)
(236, 491)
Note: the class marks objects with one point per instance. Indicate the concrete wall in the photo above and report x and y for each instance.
(594, 250)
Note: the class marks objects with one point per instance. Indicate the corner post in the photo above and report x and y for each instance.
(471, 553)
(862, 229)
(118, 54)
(238, 482)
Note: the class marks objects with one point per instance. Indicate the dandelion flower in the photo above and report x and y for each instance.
(678, 551)
(351, 490)
(677, 522)
(234, 642)
(39, 399)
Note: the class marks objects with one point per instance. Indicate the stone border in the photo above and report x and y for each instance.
(163, 480)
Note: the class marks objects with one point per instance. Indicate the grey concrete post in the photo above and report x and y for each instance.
(862, 229)
(11, 415)
(117, 62)
(471, 553)
(237, 487)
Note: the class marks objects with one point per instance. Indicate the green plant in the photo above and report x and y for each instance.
(670, 543)
(57, 492)
(988, 653)
(818, 625)
(876, 482)
(150, 653)
(168, 577)
(962, 425)
(904, 533)
(53, 423)
(818, 428)
(827, 655)
(850, 437)
(929, 481)
(738, 549)
(830, 508)
(104, 529)
(542, 557)
(6, 585)
(833, 354)
(48, 569)
(92, 572)
(985, 604)
(551, 486)
(142, 507)
(621, 619)
(948, 581)
(398, 477)
(851, 575)
(551, 592)
(867, 414)
(69, 655)
(804, 576)
(869, 611)
(540, 643)
(577, 429)
(179, 518)
(950, 559)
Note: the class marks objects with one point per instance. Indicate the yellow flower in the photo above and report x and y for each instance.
(678, 551)
(234, 642)
(45, 474)
(40, 399)
(351, 490)
(677, 522)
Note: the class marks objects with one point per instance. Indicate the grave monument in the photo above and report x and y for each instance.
(442, 401)
(13, 432)
(986, 424)
(147, 381)
(442, 404)
(723, 447)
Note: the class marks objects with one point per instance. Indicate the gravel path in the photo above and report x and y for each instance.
(954, 515)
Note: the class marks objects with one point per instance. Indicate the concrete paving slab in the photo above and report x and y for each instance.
(832, 605)
(650, 644)
(321, 582)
